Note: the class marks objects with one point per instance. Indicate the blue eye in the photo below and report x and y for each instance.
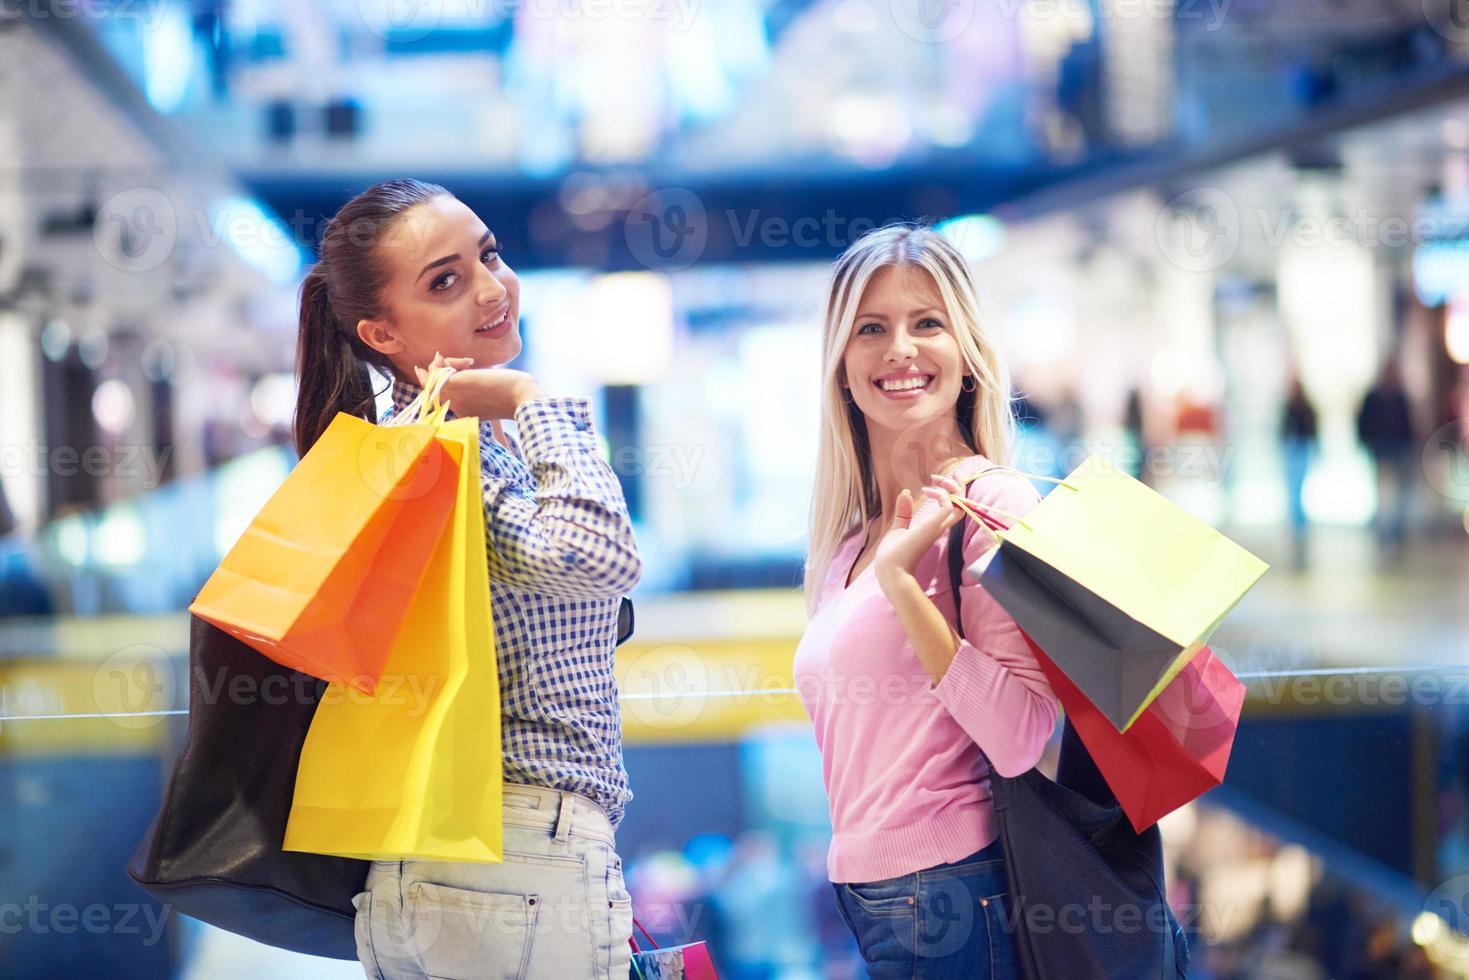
(863, 329)
(930, 322)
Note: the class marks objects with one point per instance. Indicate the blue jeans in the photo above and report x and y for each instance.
(952, 920)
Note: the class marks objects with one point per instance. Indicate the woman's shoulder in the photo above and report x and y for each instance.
(988, 482)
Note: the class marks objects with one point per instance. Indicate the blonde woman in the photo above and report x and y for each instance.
(910, 719)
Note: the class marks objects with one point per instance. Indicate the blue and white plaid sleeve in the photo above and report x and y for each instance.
(573, 537)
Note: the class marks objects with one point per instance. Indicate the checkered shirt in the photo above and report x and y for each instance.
(562, 554)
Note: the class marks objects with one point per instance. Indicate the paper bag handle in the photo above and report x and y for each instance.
(633, 939)
(980, 512)
(426, 408)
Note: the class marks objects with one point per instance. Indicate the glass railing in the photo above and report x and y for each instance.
(726, 843)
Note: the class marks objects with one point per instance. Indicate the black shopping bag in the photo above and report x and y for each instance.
(214, 849)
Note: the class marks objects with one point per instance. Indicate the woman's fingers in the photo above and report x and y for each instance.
(942, 516)
(947, 483)
(937, 497)
(440, 361)
(903, 509)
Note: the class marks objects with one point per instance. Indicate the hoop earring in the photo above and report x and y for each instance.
(969, 387)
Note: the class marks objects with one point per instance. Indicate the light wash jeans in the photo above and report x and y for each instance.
(555, 909)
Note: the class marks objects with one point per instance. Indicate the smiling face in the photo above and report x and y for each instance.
(446, 290)
(902, 362)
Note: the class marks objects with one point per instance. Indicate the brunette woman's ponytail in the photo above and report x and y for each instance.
(343, 288)
(329, 376)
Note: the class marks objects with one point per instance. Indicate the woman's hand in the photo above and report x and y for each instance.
(486, 393)
(912, 534)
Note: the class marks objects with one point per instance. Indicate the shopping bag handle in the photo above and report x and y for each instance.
(1001, 468)
(981, 512)
(426, 409)
(633, 939)
(435, 388)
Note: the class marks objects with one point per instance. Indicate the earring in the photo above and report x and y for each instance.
(973, 386)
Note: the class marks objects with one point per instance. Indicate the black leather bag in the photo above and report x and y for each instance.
(214, 849)
(1087, 893)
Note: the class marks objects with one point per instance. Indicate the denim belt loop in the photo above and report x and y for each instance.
(563, 818)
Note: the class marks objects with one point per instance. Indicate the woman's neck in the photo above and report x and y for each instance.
(905, 458)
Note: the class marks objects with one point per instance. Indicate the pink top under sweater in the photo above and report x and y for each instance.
(906, 762)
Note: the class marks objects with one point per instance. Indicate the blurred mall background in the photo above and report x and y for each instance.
(1206, 230)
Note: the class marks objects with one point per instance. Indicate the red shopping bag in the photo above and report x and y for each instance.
(1176, 751)
(689, 962)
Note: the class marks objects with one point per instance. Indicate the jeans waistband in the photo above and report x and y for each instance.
(559, 810)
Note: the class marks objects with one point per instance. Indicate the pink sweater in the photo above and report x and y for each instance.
(906, 762)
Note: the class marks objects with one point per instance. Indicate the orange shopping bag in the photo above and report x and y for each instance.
(414, 771)
(321, 579)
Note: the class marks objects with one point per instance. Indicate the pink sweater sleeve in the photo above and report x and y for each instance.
(994, 688)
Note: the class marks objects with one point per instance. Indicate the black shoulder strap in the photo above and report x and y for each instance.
(624, 621)
(956, 570)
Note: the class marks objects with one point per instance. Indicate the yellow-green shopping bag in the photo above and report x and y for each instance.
(1116, 583)
(414, 771)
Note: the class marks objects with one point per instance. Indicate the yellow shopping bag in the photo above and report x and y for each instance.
(413, 771)
(1117, 584)
(321, 578)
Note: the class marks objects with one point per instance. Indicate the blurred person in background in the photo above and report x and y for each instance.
(7, 516)
(411, 280)
(1068, 427)
(916, 399)
(1385, 426)
(1298, 442)
(754, 887)
(22, 593)
(1132, 425)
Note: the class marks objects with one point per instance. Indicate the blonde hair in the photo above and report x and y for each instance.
(846, 492)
